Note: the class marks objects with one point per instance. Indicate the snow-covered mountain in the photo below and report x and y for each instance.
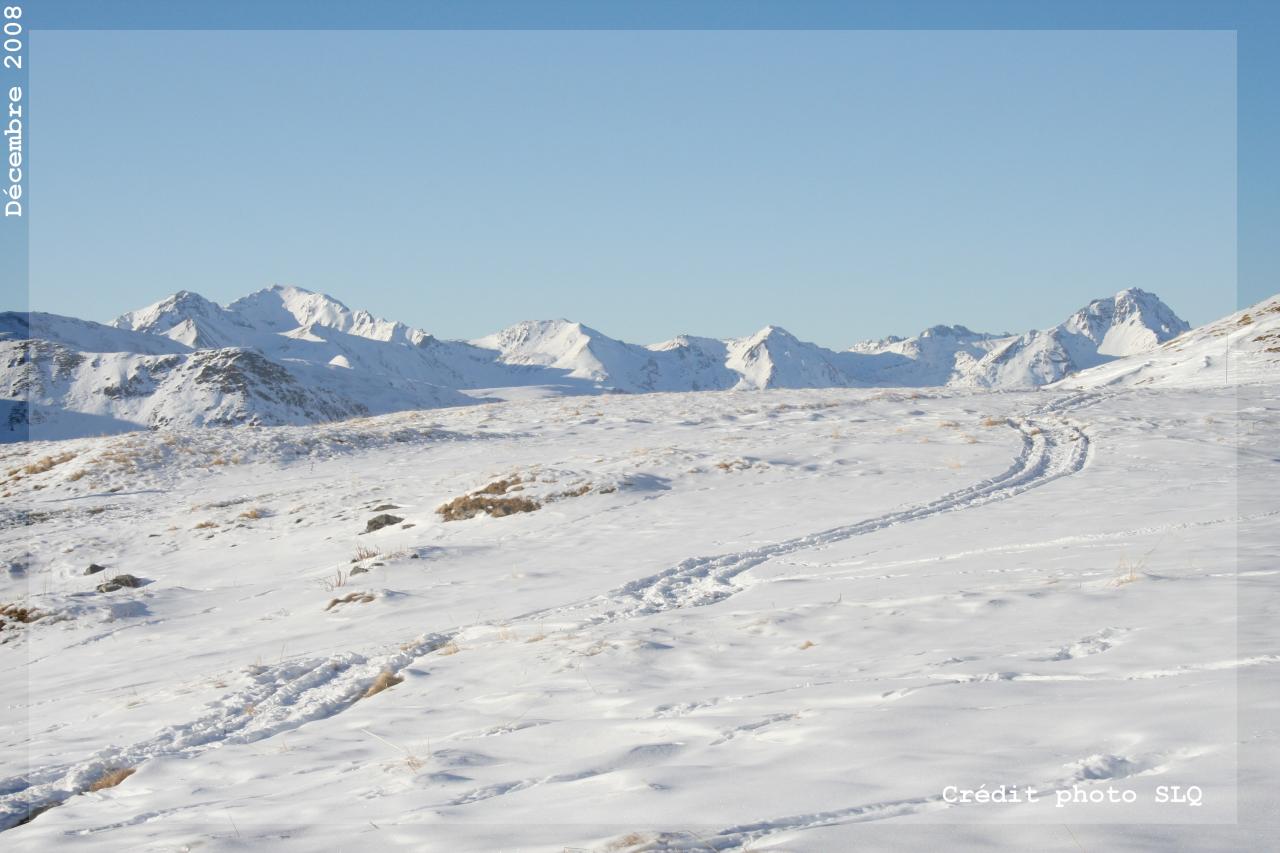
(774, 358)
(285, 355)
(937, 356)
(1243, 347)
(1132, 321)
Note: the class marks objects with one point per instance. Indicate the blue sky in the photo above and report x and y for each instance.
(844, 184)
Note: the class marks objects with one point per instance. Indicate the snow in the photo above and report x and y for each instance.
(773, 620)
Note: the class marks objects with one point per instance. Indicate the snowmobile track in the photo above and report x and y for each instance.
(291, 694)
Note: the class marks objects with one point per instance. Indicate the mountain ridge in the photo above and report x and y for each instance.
(286, 355)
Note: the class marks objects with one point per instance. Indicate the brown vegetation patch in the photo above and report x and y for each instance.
(47, 462)
(500, 487)
(469, 506)
(350, 598)
(111, 778)
(385, 679)
(573, 493)
(18, 613)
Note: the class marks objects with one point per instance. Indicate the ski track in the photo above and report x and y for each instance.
(1093, 768)
(289, 695)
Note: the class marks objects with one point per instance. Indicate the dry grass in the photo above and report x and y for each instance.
(385, 679)
(254, 513)
(205, 525)
(500, 487)
(573, 493)
(948, 425)
(469, 506)
(1128, 571)
(12, 615)
(628, 841)
(18, 613)
(363, 553)
(111, 778)
(807, 644)
(990, 421)
(350, 598)
(449, 648)
(46, 463)
(338, 580)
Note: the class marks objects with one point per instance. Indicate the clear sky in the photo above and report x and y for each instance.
(843, 184)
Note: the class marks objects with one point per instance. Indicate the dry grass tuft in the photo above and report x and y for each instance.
(1128, 571)
(45, 463)
(469, 506)
(385, 679)
(205, 525)
(573, 493)
(18, 613)
(350, 598)
(449, 648)
(254, 513)
(111, 778)
(499, 487)
(948, 425)
(339, 579)
(363, 553)
(990, 421)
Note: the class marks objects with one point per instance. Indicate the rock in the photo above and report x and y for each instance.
(119, 582)
(380, 521)
(359, 570)
(385, 507)
(94, 568)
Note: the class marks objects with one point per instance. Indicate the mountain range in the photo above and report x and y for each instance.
(284, 355)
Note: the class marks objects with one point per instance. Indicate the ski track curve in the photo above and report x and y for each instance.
(284, 697)
(1050, 450)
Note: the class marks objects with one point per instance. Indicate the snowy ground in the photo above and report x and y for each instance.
(791, 620)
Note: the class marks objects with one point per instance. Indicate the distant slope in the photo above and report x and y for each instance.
(937, 356)
(1243, 347)
(82, 335)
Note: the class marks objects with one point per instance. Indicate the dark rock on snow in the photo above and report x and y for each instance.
(380, 521)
